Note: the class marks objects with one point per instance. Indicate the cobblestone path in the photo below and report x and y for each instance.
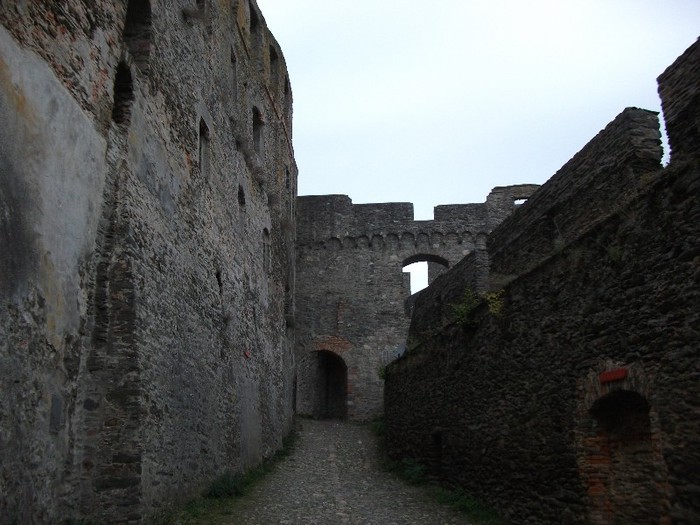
(332, 478)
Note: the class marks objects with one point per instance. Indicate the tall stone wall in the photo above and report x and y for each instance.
(574, 398)
(146, 253)
(352, 293)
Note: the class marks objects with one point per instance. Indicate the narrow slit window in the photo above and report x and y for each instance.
(123, 95)
(241, 197)
(257, 130)
(137, 31)
(255, 32)
(204, 149)
(267, 262)
(274, 70)
(234, 77)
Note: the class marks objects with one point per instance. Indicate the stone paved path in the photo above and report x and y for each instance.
(333, 478)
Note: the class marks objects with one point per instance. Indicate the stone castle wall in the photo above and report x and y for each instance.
(573, 399)
(146, 260)
(352, 293)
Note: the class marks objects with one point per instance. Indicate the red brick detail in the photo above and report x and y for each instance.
(609, 376)
(332, 343)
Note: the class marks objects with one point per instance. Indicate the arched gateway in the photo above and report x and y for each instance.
(331, 386)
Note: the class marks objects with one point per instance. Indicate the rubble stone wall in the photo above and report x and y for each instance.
(147, 267)
(353, 299)
(573, 398)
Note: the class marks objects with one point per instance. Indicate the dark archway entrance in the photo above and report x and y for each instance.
(331, 386)
(622, 462)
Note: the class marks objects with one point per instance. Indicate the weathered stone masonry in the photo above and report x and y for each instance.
(351, 313)
(146, 253)
(576, 399)
(154, 295)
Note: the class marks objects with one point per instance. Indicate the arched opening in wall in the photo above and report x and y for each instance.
(518, 202)
(137, 31)
(622, 464)
(331, 386)
(423, 269)
(123, 95)
(257, 130)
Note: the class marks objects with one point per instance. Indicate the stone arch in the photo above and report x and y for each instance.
(422, 240)
(452, 238)
(619, 450)
(331, 395)
(408, 240)
(392, 241)
(468, 242)
(435, 265)
(426, 257)
(377, 242)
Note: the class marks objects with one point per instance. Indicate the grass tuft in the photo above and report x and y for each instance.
(474, 509)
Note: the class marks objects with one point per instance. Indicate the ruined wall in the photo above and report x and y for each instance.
(575, 398)
(146, 225)
(351, 291)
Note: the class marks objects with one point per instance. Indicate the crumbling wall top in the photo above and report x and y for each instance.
(610, 168)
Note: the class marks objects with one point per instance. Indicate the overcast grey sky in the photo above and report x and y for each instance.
(437, 102)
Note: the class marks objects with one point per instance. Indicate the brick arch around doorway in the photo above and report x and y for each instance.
(619, 449)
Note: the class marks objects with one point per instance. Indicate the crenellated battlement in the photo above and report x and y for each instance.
(325, 217)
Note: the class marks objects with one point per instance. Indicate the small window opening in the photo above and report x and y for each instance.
(287, 178)
(257, 130)
(267, 262)
(137, 31)
(123, 95)
(204, 149)
(518, 202)
(241, 197)
(234, 77)
(274, 70)
(220, 282)
(288, 100)
(255, 32)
